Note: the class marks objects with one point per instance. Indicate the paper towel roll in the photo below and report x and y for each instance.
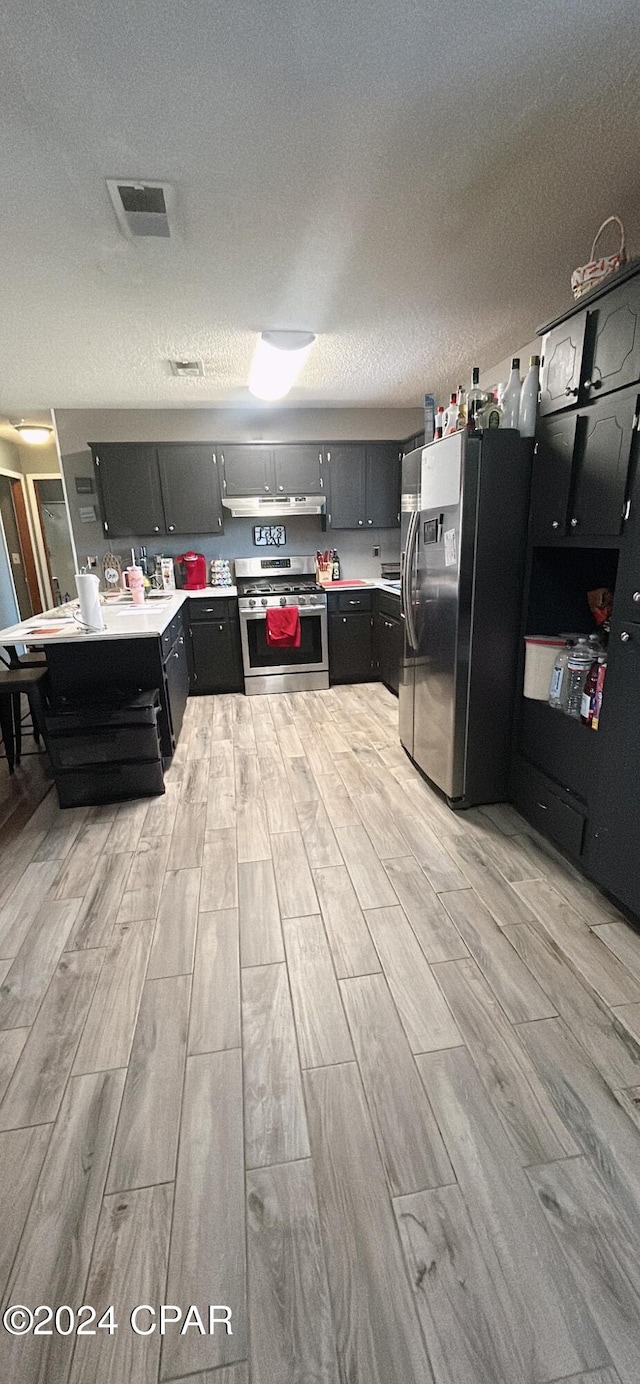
(88, 588)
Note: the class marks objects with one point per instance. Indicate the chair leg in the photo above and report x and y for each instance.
(17, 724)
(6, 726)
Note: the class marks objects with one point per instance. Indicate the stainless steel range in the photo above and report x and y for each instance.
(265, 582)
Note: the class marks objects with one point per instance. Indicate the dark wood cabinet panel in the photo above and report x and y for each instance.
(129, 490)
(215, 661)
(602, 455)
(382, 485)
(350, 648)
(298, 469)
(612, 855)
(247, 469)
(614, 330)
(561, 364)
(176, 670)
(552, 472)
(346, 464)
(387, 633)
(190, 487)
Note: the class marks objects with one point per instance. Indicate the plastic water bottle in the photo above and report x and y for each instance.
(578, 665)
(558, 678)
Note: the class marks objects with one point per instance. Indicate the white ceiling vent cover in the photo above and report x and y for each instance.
(143, 208)
(186, 369)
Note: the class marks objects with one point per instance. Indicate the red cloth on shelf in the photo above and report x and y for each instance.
(283, 627)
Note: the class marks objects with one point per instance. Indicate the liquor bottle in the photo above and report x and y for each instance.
(429, 417)
(529, 399)
(461, 413)
(439, 428)
(335, 570)
(451, 414)
(491, 416)
(511, 396)
(476, 399)
(597, 701)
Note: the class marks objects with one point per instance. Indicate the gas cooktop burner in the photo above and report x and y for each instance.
(277, 588)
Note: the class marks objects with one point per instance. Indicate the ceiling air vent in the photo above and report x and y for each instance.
(186, 368)
(143, 209)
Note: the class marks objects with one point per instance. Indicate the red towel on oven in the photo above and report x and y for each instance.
(283, 627)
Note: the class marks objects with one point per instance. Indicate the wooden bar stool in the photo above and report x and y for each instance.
(13, 682)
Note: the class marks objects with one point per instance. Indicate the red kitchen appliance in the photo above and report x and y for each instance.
(193, 571)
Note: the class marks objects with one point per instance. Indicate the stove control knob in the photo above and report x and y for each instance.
(302, 600)
(283, 600)
(263, 600)
(313, 599)
(251, 602)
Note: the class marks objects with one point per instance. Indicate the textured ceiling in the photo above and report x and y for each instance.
(413, 181)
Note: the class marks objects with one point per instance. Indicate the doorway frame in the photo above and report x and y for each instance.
(42, 589)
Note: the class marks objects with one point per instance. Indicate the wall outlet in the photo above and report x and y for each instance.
(92, 562)
(376, 550)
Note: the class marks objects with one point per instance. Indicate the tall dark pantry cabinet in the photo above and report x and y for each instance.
(580, 787)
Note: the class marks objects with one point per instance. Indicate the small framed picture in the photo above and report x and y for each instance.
(269, 535)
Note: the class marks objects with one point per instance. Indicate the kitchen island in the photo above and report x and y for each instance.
(143, 649)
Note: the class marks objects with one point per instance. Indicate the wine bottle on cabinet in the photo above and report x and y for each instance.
(451, 415)
(476, 400)
(528, 411)
(511, 397)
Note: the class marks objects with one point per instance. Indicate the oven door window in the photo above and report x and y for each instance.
(262, 655)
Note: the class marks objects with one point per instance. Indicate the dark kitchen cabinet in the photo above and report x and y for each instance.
(190, 487)
(561, 364)
(581, 469)
(603, 451)
(364, 485)
(552, 473)
(347, 476)
(247, 469)
(176, 672)
(388, 649)
(129, 490)
(613, 354)
(298, 469)
(612, 855)
(215, 656)
(382, 489)
(351, 648)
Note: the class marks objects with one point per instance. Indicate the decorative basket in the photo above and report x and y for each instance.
(589, 276)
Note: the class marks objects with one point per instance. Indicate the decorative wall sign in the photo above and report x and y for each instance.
(84, 485)
(269, 535)
(87, 514)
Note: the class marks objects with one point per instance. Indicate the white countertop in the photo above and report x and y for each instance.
(126, 621)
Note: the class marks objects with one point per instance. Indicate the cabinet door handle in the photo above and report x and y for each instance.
(625, 637)
(570, 392)
(280, 487)
(361, 521)
(344, 619)
(369, 521)
(171, 527)
(266, 487)
(574, 523)
(219, 523)
(555, 524)
(156, 529)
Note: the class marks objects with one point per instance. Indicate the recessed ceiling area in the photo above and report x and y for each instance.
(412, 182)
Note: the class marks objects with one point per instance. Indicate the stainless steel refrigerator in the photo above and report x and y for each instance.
(465, 507)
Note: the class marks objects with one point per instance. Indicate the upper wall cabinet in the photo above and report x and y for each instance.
(581, 470)
(593, 352)
(146, 489)
(364, 485)
(561, 364)
(613, 336)
(128, 483)
(288, 469)
(190, 487)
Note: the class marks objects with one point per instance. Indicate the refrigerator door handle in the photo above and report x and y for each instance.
(407, 602)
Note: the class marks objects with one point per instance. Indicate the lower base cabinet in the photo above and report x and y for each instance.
(215, 656)
(388, 649)
(351, 648)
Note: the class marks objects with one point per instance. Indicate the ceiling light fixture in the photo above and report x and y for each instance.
(33, 432)
(277, 362)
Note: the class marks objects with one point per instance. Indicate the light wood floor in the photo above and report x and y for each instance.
(297, 1040)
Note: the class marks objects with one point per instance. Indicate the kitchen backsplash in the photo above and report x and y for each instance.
(304, 535)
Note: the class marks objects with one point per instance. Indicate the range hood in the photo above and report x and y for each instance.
(273, 506)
